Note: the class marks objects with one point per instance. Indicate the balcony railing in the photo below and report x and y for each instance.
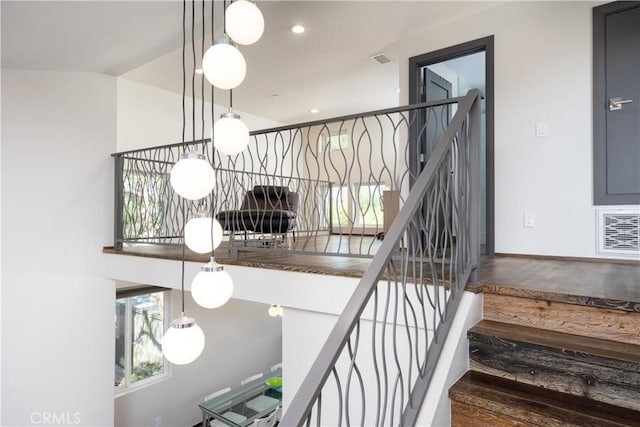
(350, 176)
(376, 365)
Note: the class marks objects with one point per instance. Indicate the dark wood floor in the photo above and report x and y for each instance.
(602, 279)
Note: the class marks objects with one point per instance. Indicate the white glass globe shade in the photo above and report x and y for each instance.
(212, 287)
(230, 134)
(223, 65)
(192, 177)
(275, 310)
(245, 23)
(197, 234)
(183, 342)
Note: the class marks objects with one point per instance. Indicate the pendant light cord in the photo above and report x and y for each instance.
(225, 32)
(184, 218)
(213, 150)
(184, 125)
(224, 17)
(184, 72)
(193, 71)
(204, 147)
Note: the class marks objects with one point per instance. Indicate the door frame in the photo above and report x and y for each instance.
(486, 45)
(600, 195)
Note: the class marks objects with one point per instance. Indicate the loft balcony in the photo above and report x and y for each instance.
(402, 220)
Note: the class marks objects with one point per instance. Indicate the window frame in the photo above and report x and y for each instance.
(128, 294)
(353, 211)
(359, 215)
(326, 141)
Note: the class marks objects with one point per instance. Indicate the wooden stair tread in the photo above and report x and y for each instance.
(560, 340)
(522, 401)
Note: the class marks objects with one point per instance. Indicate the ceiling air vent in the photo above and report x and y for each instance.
(619, 231)
(382, 58)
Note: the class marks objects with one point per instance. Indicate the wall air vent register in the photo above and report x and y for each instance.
(619, 231)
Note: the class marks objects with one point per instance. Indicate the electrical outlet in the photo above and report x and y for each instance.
(529, 220)
(157, 422)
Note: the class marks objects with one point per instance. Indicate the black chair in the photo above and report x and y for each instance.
(267, 209)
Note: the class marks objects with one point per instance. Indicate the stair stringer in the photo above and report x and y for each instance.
(452, 364)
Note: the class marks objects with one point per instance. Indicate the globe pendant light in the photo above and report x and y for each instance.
(202, 233)
(192, 177)
(212, 287)
(245, 23)
(183, 342)
(223, 64)
(275, 310)
(231, 134)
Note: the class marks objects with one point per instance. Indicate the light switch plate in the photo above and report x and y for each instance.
(542, 130)
(529, 220)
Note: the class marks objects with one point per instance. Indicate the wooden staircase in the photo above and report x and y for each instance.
(549, 359)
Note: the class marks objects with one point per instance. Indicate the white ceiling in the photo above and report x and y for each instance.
(328, 67)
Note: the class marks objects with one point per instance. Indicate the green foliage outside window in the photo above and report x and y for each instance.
(140, 326)
(144, 205)
(337, 141)
(370, 205)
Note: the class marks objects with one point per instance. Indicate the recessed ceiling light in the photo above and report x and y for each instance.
(297, 29)
(199, 71)
(313, 110)
(397, 90)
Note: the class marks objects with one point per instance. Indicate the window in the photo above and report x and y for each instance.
(336, 141)
(141, 315)
(144, 197)
(370, 205)
(358, 206)
(340, 207)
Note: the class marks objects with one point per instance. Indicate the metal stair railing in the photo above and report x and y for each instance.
(342, 170)
(406, 300)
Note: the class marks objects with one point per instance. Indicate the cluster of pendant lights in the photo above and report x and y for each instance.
(193, 178)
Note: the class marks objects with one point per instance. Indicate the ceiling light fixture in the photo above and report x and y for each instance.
(198, 233)
(223, 64)
(297, 29)
(313, 111)
(244, 22)
(183, 342)
(212, 287)
(275, 310)
(192, 177)
(231, 134)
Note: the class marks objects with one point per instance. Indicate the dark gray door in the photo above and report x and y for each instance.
(436, 121)
(435, 88)
(416, 66)
(617, 96)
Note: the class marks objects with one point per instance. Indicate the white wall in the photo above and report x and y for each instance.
(0, 241)
(301, 347)
(241, 339)
(57, 307)
(543, 73)
(148, 116)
